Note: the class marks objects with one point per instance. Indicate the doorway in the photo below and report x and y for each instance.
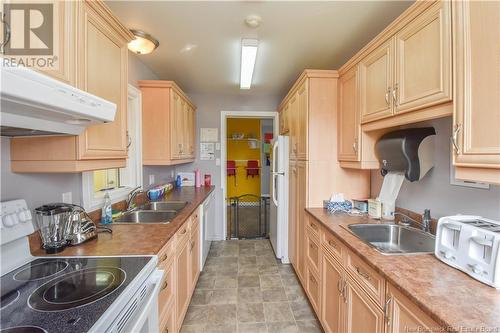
(245, 176)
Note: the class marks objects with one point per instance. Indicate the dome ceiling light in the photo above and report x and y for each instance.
(143, 43)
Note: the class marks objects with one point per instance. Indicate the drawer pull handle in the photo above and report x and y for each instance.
(386, 311)
(312, 279)
(332, 244)
(363, 274)
(165, 330)
(164, 257)
(164, 285)
(183, 232)
(313, 226)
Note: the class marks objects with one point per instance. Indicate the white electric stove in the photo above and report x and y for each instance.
(71, 294)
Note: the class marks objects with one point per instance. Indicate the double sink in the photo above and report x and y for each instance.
(393, 239)
(153, 212)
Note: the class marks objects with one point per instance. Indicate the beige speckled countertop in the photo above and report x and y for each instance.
(134, 239)
(450, 297)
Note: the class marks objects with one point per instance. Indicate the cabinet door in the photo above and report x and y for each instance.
(476, 31)
(404, 316)
(167, 290)
(192, 131)
(102, 71)
(313, 287)
(194, 256)
(302, 122)
(177, 124)
(349, 126)
(423, 60)
(361, 313)
(167, 323)
(65, 65)
(283, 120)
(292, 215)
(301, 217)
(375, 83)
(293, 116)
(331, 297)
(183, 281)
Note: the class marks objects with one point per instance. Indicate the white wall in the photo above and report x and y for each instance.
(266, 126)
(38, 189)
(434, 191)
(208, 115)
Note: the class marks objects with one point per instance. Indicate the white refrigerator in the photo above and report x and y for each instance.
(278, 224)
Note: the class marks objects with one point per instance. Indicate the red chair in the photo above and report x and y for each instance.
(252, 168)
(231, 168)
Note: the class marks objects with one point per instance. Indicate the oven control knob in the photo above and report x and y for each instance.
(9, 220)
(24, 216)
(448, 255)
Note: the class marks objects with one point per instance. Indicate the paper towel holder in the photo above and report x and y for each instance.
(408, 150)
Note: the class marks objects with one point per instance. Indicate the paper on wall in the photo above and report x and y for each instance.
(209, 134)
(207, 151)
(391, 186)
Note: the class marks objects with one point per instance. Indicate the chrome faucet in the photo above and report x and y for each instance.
(425, 225)
(131, 197)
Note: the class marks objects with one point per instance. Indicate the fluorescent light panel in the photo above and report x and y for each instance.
(248, 56)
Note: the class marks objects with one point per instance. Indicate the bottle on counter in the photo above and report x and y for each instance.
(106, 214)
(197, 178)
(178, 181)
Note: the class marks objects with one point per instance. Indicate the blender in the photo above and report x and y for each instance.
(52, 220)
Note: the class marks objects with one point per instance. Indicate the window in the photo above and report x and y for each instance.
(118, 182)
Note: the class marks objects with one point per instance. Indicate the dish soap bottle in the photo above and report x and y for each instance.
(178, 181)
(106, 214)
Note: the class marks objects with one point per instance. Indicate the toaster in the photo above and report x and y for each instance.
(472, 245)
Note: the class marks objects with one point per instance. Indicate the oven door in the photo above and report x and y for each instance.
(142, 316)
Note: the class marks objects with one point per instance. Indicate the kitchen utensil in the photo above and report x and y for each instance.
(52, 220)
(80, 227)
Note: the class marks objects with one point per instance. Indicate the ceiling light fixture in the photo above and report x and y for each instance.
(248, 56)
(143, 43)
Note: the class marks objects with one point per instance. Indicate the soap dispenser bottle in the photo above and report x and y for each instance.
(106, 213)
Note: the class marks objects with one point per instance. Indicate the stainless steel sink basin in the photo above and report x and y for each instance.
(147, 216)
(394, 239)
(165, 205)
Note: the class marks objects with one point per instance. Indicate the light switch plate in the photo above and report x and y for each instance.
(217, 161)
(67, 197)
(151, 179)
(217, 146)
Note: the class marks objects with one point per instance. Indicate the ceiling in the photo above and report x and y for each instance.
(292, 36)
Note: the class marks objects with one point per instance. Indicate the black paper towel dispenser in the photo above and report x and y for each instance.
(409, 150)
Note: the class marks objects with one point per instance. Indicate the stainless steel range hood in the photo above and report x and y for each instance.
(34, 104)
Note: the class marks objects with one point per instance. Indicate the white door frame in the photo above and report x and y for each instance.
(223, 140)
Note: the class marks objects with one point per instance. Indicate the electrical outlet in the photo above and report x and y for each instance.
(67, 197)
(151, 179)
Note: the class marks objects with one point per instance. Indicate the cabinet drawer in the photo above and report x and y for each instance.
(331, 244)
(194, 221)
(313, 289)
(182, 235)
(367, 278)
(165, 296)
(312, 250)
(166, 254)
(313, 226)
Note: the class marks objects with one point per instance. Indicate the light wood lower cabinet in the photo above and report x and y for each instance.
(168, 124)
(331, 312)
(404, 316)
(362, 314)
(180, 261)
(347, 294)
(301, 196)
(292, 215)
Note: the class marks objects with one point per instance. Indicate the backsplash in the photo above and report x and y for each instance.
(435, 192)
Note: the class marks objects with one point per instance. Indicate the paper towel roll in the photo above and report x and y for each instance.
(391, 186)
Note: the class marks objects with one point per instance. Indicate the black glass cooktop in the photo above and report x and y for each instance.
(63, 294)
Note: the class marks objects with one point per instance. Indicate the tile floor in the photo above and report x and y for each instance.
(243, 288)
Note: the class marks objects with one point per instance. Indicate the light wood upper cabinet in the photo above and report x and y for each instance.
(100, 68)
(168, 124)
(375, 83)
(64, 70)
(476, 33)
(283, 120)
(423, 60)
(102, 71)
(405, 316)
(331, 297)
(349, 120)
(302, 126)
(294, 126)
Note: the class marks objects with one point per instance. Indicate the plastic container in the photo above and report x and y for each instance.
(106, 215)
(197, 178)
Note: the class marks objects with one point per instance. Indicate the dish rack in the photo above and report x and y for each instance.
(470, 244)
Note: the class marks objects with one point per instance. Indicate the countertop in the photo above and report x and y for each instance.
(449, 296)
(134, 239)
